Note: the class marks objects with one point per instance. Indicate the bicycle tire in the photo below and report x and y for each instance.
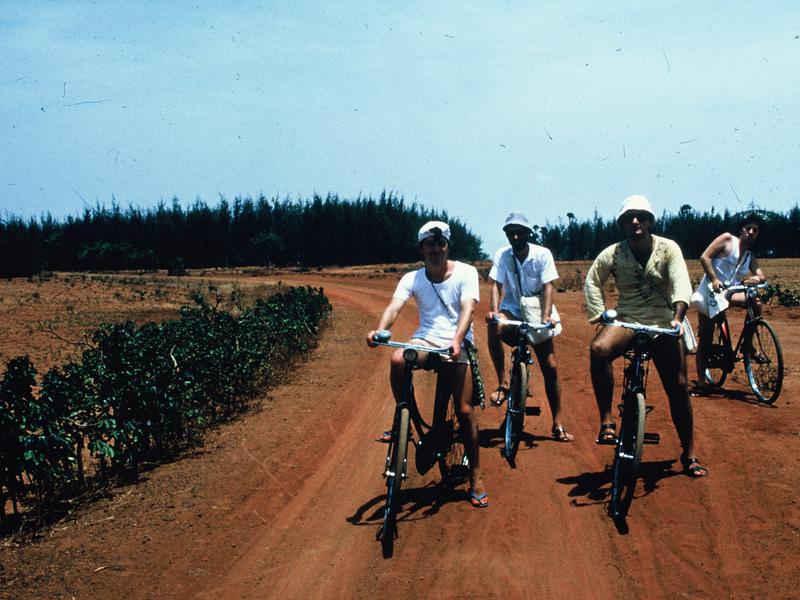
(515, 410)
(627, 457)
(718, 358)
(394, 479)
(453, 462)
(763, 361)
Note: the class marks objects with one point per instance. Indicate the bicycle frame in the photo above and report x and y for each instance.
(734, 353)
(515, 406)
(632, 436)
(406, 415)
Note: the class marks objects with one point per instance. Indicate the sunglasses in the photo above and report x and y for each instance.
(640, 216)
(516, 233)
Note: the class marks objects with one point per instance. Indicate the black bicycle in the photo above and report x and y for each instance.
(516, 400)
(439, 442)
(758, 347)
(632, 410)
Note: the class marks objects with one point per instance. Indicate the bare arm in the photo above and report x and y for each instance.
(464, 321)
(494, 303)
(547, 302)
(715, 248)
(388, 318)
(758, 274)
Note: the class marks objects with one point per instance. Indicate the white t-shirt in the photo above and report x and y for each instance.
(537, 269)
(438, 324)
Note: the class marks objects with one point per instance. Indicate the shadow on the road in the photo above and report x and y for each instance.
(746, 397)
(415, 503)
(494, 438)
(594, 488)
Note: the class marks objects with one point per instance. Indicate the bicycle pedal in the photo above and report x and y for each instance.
(651, 438)
(648, 409)
(533, 410)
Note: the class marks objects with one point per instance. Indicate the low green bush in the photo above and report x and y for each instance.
(142, 393)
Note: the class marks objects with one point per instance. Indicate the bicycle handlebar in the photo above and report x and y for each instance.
(381, 338)
(743, 287)
(609, 318)
(528, 324)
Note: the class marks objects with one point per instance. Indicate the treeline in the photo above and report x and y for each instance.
(141, 394)
(316, 232)
(581, 240)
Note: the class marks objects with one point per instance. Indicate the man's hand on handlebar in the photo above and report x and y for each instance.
(677, 326)
(371, 338)
(455, 349)
(492, 317)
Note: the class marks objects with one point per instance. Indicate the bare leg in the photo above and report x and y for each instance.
(705, 331)
(670, 361)
(497, 352)
(607, 345)
(545, 354)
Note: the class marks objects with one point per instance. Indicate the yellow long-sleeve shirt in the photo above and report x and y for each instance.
(646, 295)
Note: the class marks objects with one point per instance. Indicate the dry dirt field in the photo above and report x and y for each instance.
(286, 502)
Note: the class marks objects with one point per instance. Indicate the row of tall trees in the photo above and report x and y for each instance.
(319, 231)
(580, 240)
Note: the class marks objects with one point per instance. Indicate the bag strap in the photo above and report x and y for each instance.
(446, 306)
(519, 283)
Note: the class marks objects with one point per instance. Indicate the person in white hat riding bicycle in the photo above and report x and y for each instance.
(523, 269)
(654, 289)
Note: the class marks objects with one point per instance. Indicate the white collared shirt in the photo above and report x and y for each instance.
(535, 271)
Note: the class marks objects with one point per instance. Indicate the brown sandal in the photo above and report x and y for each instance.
(560, 434)
(607, 435)
(499, 396)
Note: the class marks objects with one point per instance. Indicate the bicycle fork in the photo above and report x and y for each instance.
(408, 389)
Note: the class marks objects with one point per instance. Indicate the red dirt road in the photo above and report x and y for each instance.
(286, 502)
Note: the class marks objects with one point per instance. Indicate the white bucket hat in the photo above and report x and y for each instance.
(517, 219)
(431, 228)
(636, 203)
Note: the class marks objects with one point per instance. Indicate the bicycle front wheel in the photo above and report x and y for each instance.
(515, 410)
(394, 475)
(763, 362)
(717, 360)
(627, 457)
(453, 462)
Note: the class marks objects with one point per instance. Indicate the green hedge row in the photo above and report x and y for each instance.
(140, 394)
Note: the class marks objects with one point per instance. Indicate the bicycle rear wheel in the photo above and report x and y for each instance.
(763, 362)
(394, 476)
(515, 410)
(453, 462)
(627, 456)
(718, 357)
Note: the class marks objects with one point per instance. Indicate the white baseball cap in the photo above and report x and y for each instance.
(636, 203)
(431, 228)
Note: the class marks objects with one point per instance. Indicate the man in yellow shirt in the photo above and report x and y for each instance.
(654, 290)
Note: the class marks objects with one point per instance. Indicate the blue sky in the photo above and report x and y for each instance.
(479, 108)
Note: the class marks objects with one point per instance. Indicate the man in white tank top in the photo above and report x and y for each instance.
(727, 260)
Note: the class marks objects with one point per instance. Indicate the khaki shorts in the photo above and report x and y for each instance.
(463, 357)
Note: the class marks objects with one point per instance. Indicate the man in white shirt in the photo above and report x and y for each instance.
(445, 292)
(523, 269)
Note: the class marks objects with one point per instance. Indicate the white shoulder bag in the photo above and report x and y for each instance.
(531, 309)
